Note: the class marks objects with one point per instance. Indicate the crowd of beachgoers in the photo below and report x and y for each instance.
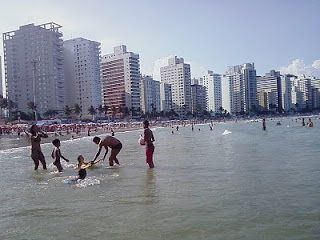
(75, 130)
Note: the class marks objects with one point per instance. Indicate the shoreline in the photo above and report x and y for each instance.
(17, 142)
(15, 138)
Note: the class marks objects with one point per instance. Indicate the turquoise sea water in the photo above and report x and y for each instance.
(237, 184)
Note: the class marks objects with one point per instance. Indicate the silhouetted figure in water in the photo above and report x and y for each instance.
(264, 124)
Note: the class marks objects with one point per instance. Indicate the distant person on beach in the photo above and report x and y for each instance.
(110, 142)
(310, 123)
(35, 139)
(56, 155)
(303, 124)
(264, 124)
(149, 139)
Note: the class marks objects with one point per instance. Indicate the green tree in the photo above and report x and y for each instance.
(77, 110)
(51, 113)
(132, 111)
(126, 111)
(106, 110)
(67, 110)
(114, 111)
(101, 109)
(92, 111)
(32, 107)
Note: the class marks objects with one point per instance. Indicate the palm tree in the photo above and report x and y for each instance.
(3, 103)
(67, 110)
(100, 110)
(51, 113)
(106, 109)
(92, 111)
(33, 108)
(114, 111)
(126, 111)
(132, 111)
(77, 110)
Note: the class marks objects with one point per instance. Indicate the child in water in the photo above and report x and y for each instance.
(82, 171)
(56, 154)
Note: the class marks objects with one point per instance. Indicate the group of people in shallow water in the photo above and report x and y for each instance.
(309, 123)
(35, 134)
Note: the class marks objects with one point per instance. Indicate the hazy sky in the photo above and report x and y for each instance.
(209, 34)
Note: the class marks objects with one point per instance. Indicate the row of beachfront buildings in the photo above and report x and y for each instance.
(40, 67)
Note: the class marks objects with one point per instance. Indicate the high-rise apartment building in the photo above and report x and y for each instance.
(1, 88)
(286, 92)
(150, 95)
(178, 75)
(165, 97)
(212, 82)
(198, 97)
(33, 60)
(227, 93)
(120, 72)
(269, 91)
(315, 84)
(244, 88)
(301, 92)
(82, 74)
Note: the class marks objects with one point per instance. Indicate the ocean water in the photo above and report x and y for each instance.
(235, 182)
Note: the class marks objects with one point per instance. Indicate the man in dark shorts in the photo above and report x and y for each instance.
(110, 142)
(149, 139)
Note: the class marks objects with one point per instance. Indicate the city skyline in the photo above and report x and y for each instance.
(209, 35)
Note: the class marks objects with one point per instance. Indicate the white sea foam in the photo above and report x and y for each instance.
(87, 182)
(226, 132)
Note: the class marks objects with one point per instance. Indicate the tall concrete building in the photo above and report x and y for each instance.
(212, 82)
(198, 97)
(286, 92)
(244, 88)
(178, 75)
(165, 97)
(120, 72)
(227, 93)
(1, 88)
(82, 74)
(33, 60)
(150, 95)
(302, 92)
(315, 84)
(269, 91)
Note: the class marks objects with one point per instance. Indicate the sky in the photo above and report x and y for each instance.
(209, 34)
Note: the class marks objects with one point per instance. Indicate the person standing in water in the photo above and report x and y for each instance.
(35, 139)
(149, 139)
(56, 155)
(264, 124)
(110, 142)
(310, 123)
